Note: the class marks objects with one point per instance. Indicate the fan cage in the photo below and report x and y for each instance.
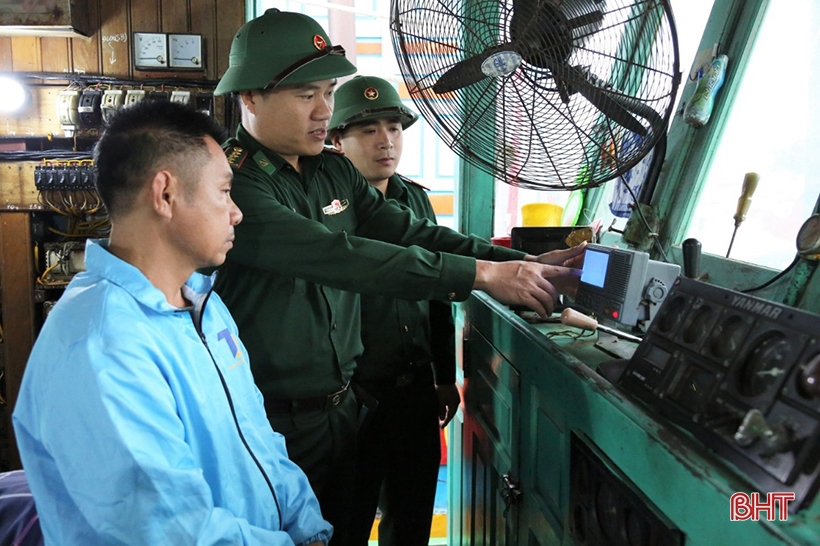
(536, 126)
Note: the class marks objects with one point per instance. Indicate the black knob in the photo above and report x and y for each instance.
(808, 383)
(691, 258)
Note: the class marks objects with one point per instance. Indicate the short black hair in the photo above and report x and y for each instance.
(143, 138)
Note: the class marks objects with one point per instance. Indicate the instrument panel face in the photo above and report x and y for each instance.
(742, 375)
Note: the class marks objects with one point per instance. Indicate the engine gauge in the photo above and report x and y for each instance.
(765, 364)
(808, 238)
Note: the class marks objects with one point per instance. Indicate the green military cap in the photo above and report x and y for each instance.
(281, 47)
(365, 98)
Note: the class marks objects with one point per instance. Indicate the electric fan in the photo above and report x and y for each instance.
(543, 94)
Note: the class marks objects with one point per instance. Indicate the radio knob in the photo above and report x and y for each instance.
(655, 290)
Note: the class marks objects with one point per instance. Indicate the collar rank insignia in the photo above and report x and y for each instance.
(335, 207)
(236, 156)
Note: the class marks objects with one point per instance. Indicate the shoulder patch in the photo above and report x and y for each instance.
(332, 150)
(408, 181)
(263, 162)
(236, 156)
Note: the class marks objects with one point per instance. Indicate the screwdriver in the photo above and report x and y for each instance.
(571, 317)
(749, 187)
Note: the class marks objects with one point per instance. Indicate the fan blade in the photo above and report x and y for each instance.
(613, 110)
(504, 59)
(587, 19)
(595, 92)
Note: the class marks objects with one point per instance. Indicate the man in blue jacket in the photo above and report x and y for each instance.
(138, 420)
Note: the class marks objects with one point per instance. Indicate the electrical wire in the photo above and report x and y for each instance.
(43, 279)
(42, 155)
(775, 278)
(88, 80)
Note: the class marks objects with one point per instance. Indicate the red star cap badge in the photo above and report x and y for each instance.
(371, 93)
(319, 42)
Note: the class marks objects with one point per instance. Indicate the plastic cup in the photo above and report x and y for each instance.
(541, 214)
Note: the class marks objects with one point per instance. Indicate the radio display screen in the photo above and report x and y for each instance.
(595, 264)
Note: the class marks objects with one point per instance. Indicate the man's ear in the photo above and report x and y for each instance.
(335, 137)
(164, 188)
(248, 100)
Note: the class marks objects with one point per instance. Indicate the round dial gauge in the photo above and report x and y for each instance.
(186, 50)
(150, 50)
(808, 238)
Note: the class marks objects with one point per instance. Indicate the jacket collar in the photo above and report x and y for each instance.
(121, 273)
(310, 163)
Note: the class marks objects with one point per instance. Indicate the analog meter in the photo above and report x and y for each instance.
(150, 50)
(185, 51)
(808, 238)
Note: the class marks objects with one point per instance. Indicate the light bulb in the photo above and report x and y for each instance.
(12, 94)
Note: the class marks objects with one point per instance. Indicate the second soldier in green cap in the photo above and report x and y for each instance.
(315, 234)
(405, 342)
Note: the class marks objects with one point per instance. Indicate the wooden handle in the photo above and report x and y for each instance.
(749, 186)
(571, 317)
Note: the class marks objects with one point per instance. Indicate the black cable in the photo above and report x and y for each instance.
(38, 155)
(775, 278)
(88, 80)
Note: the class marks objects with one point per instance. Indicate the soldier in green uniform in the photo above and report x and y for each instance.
(399, 451)
(315, 234)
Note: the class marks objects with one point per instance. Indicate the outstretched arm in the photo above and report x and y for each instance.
(534, 285)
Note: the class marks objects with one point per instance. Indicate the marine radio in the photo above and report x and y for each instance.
(623, 285)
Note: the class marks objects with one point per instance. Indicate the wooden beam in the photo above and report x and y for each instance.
(17, 276)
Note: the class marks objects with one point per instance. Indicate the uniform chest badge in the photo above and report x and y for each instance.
(335, 207)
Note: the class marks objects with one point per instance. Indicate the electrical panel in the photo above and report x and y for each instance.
(89, 108)
(205, 103)
(67, 103)
(742, 375)
(82, 112)
(133, 96)
(63, 261)
(183, 97)
(111, 100)
(64, 176)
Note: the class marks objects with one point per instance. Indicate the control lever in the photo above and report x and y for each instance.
(571, 317)
(808, 383)
(691, 258)
(775, 438)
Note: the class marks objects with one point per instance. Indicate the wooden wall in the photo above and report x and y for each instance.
(108, 51)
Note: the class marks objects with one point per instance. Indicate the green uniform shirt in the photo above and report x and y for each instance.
(302, 252)
(398, 334)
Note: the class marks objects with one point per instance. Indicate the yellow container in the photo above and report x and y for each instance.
(541, 214)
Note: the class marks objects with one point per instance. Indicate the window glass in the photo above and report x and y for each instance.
(771, 130)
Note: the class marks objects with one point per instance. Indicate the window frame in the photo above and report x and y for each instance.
(734, 25)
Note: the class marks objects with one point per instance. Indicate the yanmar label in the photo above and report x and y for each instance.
(757, 307)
